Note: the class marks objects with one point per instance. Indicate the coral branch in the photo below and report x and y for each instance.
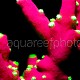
(67, 10)
(4, 48)
(40, 22)
(44, 71)
(61, 33)
(78, 13)
(6, 72)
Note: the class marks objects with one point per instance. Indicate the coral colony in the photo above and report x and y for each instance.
(65, 27)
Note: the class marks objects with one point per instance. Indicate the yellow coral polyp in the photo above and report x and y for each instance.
(44, 76)
(58, 16)
(77, 3)
(41, 10)
(73, 18)
(1, 35)
(51, 24)
(33, 78)
(78, 31)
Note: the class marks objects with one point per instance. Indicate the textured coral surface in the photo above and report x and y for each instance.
(61, 33)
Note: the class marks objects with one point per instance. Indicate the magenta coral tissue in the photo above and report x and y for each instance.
(65, 27)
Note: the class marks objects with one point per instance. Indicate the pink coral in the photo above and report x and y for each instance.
(8, 68)
(61, 33)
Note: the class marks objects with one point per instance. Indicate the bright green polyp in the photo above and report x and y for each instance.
(43, 56)
(73, 18)
(77, 3)
(21, 77)
(69, 78)
(14, 73)
(16, 63)
(32, 56)
(30, 66)
(52, 20)
(33, 78)
(29, 69)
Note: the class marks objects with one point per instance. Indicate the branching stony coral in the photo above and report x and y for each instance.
(8, 68)
(65, 28)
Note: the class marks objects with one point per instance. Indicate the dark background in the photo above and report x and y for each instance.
(21, 29)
